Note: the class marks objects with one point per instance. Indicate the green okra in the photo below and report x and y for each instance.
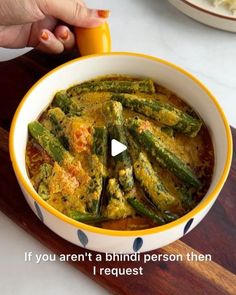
(149, 180)
(117, 86)
(117, 207)
(167, 130)
(98, 168)
(43, 191)
(56, 117)
(99, 148)
(114, 119)
(47, 141)
(68, 106)
(45, 172)
(169, 216)
(158, 150)
(186, 197)
(162, 112)
(152, 184)
(86, 217)
(143, 210)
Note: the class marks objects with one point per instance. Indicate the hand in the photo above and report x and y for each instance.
(35, 23)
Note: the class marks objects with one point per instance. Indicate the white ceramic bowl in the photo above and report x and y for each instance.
(171, 76)
(205, 12)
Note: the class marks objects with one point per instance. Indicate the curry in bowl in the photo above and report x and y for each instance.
(164, 173)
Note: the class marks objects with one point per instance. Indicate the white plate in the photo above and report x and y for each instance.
(204, 11)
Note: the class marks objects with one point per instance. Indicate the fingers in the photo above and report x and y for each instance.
(56, 42)
(65, 36)
(49, 43)
(74, 12)
(48, 23)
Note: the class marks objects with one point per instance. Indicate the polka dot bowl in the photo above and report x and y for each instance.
(169, 75)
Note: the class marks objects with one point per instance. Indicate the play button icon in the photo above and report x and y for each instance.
(117, 147)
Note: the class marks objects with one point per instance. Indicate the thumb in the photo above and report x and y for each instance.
(73, 12)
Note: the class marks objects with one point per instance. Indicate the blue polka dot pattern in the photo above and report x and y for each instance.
(82, 237)
(188, 225)
(137, 245)
(38, 211)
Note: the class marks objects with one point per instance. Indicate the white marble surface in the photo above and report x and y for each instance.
(153, 27)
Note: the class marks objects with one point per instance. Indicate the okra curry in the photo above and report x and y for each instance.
(164, 173)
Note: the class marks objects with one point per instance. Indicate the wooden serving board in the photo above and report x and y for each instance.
(215, 235)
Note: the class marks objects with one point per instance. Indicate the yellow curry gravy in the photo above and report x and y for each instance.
(197, 152)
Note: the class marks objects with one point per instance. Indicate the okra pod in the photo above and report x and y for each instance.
(116, 86)
(85, 217)
(143, 210)
(167, 130)
(117, 207)
(44, 172)
(114, 119)
(169, 216)
(56, 117)
(43, 191)
(187, 198)
(68, 106)
(148, 178)
(162, 112)
(98, 169)
(152, 184)
(47, 141)
(99, 148)
(139, 129)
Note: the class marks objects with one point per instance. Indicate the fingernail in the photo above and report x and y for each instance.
(65, 35)
(44, 36)
(103, 13)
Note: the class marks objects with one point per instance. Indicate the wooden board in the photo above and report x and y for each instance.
(215, 235)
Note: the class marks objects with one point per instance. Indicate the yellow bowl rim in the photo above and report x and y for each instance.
(201, 206)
